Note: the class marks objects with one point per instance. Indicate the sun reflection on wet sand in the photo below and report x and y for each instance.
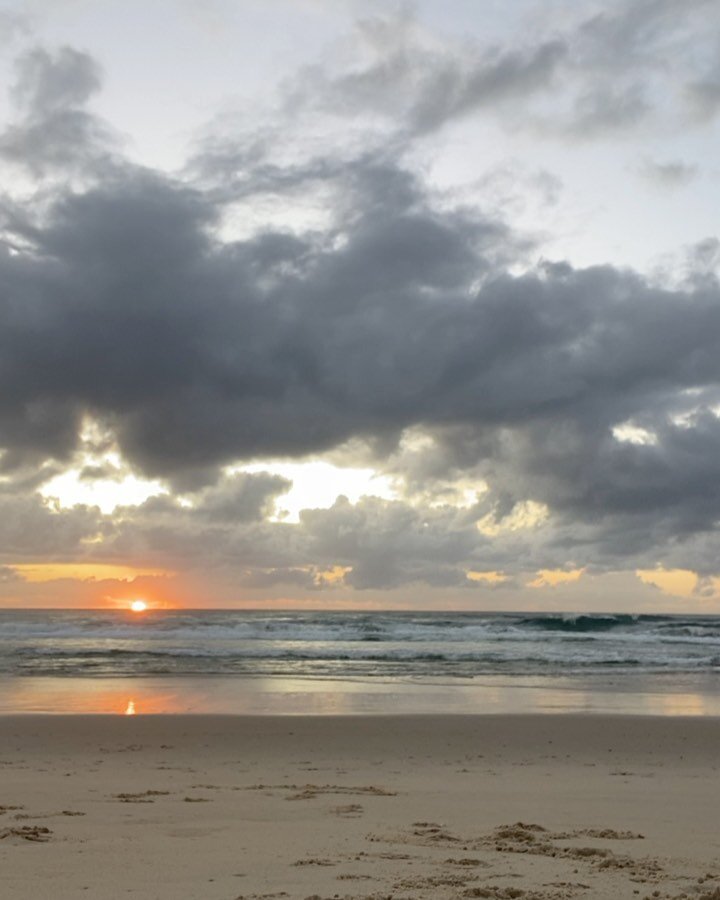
(287, 696)
(111, 696)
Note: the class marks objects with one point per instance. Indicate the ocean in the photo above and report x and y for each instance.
(444, 658)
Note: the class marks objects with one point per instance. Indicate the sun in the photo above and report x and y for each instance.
(138, 606)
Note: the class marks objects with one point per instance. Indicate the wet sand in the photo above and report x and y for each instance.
(223, 807)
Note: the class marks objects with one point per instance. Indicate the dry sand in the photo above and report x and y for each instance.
(218, 808)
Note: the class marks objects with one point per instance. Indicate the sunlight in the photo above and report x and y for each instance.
(525, 514)
(486, 577)
(553, 577)
(317, 484)
(628, 433)
(42, 572)
(72, 488)
(675, 582)
(98, 475)
(138, 606)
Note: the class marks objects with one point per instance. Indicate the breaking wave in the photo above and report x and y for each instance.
(312, 644)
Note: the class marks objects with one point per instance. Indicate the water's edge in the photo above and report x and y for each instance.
(325, 697)
(299, 663)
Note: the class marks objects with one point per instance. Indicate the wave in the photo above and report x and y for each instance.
(213, 642)
(582, 623)
(546, 655)
(342, 627)
(366, 668)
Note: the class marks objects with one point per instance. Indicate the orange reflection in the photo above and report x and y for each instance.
(278, 696)
(100, 696)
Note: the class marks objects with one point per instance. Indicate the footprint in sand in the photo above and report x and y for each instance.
(310, 791)
(141, 797)
(19, 817)
(35, 833)
(349, 811)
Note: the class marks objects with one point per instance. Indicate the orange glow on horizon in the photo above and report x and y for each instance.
(553, 577)
(42, 572)
(138, 606)
(681, 583)
(333, 575)
(486, 577)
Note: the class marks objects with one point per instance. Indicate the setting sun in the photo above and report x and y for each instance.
(138, 606)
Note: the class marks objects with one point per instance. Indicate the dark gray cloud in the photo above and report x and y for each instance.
(222, 527)
(30, 531)
(388, 544)
(241, 498)
(122, 301)
(126, 307)
(199, 353)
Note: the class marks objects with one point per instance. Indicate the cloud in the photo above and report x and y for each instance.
(241, 497)
(136, 313)
(401, 74)
(12, 25)
(50, 82)
(603, 110)
(703, 260)
(427, 86)
(54, 130)
(219, 528)
(629, 33)
(128, 300)
(198, 352)
(30, 530)
(8, 575)
(588, 77)
(386, 544)
(704, 97)
(669, 174)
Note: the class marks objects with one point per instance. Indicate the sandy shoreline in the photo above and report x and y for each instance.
(216, 808)
(692, 694)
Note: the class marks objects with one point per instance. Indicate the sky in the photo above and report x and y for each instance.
(337, 304)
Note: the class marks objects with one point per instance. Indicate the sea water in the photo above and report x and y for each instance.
(367, 661)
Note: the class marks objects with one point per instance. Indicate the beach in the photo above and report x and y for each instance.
(360, 450)
(212, 807)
